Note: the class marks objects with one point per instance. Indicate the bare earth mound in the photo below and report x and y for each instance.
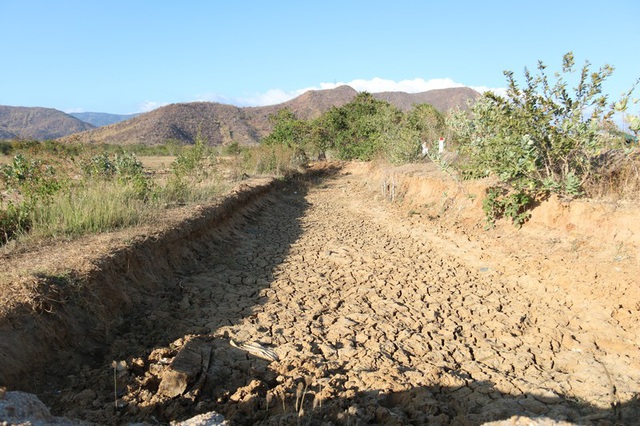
(321, 299)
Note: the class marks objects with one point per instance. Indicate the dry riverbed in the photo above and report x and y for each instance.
(365, 311)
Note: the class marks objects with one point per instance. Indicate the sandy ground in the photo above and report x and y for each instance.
(375, 314)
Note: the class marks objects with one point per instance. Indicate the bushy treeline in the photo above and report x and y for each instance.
(363, 129)
(40, 148)
(52, 190)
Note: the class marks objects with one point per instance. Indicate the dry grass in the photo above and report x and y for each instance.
(617, 178)
(156, 164)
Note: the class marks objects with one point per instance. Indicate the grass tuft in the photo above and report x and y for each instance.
(98, 207)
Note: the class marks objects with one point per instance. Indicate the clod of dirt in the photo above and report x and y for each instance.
(191, 362)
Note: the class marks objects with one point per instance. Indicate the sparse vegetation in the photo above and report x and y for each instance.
(52, 190)
(278, 160)
(180, 284)
(543, 138)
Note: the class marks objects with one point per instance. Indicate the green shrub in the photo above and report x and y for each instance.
(541, 138)
(13, 220)
(5, 148)
(359, 129)
(99, 165)
(287, 130)
(124, 167)
(30, 185)
(191, 162)
(32, 179)
(537, 137)
(232, 149)
(514, 205)
(400, 145)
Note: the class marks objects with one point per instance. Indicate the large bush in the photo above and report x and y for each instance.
(541, 135)
(359, 129)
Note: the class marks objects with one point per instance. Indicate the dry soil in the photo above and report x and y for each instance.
(373, 312)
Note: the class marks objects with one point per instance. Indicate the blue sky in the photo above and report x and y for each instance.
(131, 56)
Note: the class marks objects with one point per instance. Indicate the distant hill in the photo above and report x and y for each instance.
(4, 134)
(218, 123)
(441, 99)
(221, 124)
(38, 123)
(100, 119)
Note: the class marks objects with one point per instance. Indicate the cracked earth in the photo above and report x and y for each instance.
(371, 315)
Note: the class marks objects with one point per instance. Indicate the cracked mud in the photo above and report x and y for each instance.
(375, 316)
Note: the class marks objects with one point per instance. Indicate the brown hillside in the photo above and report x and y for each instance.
(442, 99)
(37, 123)
(4, 134)
(221, 124)
(217, 123)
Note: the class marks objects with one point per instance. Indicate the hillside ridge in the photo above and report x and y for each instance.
(221, 124)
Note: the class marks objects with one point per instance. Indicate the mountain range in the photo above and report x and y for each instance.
(100, 119)
(219, 124)
(38, 123)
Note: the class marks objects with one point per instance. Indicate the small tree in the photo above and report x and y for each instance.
(287, 130)
(541, 137)
(360, 128)
(319, 137)
(622, 106)
(428, 122)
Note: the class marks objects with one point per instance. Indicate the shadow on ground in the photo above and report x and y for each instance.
(187, 284)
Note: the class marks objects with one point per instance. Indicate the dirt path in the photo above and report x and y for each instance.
(375, 316)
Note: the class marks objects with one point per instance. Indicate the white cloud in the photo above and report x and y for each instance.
(270, 97)
(74, 110)
(215, 97)
(502, 91)
(374, 85)
(147, 106)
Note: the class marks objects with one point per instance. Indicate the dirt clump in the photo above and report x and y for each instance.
(403, 312)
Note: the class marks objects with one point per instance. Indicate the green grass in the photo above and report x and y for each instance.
(96, 207)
